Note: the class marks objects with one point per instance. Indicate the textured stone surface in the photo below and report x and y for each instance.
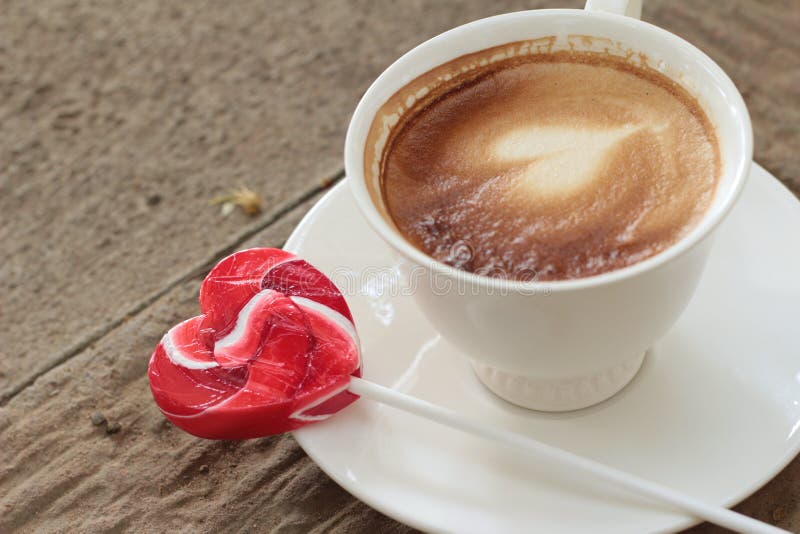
(119, 121)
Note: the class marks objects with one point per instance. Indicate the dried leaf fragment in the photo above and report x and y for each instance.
(244, 197)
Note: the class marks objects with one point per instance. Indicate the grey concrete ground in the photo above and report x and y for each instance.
(119, 121)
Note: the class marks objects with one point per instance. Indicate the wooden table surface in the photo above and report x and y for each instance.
(119, 121)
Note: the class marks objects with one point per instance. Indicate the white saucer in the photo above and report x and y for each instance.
(714, 411)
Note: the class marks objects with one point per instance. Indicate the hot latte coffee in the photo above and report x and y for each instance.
(543, 166)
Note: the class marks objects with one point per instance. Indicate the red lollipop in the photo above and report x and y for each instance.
(276, 349)
(273, 350)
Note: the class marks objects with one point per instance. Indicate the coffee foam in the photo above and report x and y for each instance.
(560, 164)
(543, 154)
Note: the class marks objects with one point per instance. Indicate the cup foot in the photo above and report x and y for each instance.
(558, 395)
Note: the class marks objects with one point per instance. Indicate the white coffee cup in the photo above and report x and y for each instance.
(568, 344)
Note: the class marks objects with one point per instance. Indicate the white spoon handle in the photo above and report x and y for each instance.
(640, 486)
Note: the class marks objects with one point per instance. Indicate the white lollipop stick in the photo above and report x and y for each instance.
(640, 486)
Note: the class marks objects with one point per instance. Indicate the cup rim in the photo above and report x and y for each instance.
(709, 222)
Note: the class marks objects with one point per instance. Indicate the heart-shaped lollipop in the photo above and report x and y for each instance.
(273, 350)
(276, 349)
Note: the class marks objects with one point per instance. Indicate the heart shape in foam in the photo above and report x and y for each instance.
(273, 350)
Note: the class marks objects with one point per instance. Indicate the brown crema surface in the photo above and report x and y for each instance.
(554, 166)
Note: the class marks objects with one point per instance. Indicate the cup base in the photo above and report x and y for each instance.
(558, 395)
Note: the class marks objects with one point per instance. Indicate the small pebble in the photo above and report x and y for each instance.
(113, 428)
(779, 513)
(204, 468)
(98, 418)
(154, 199)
